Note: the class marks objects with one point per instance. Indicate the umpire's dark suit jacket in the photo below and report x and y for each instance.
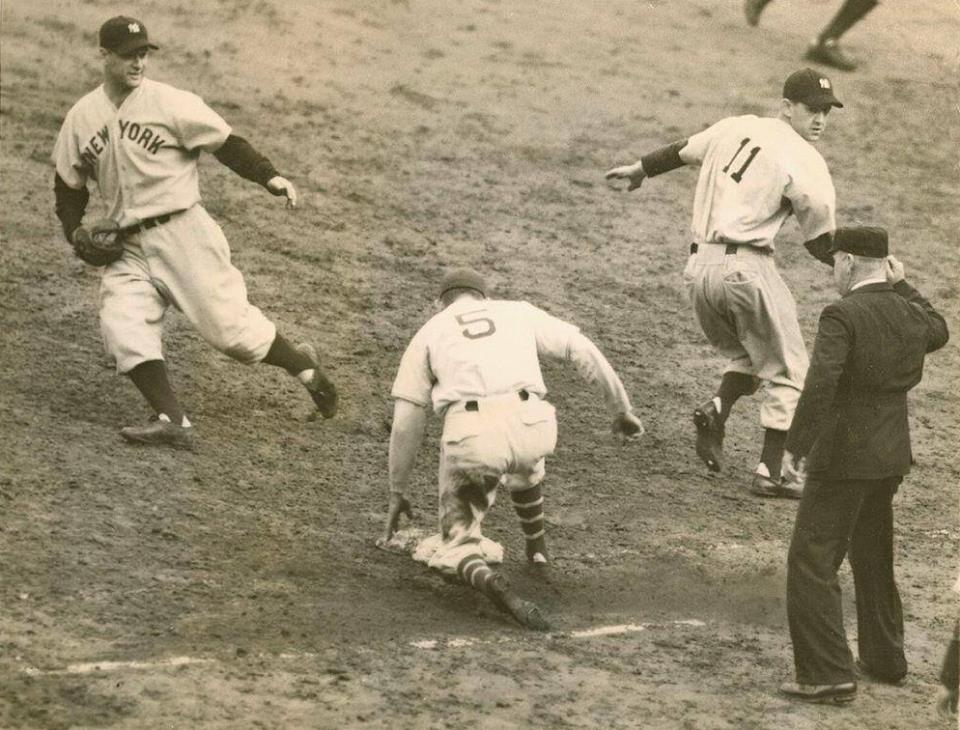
(851, 421)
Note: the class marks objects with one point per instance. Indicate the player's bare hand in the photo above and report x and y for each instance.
(399, 505)
(794, 469)
(634, 173)
(894, 270)
(628, 427)
(281, 186)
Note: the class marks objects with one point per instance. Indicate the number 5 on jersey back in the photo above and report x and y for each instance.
(476, 326)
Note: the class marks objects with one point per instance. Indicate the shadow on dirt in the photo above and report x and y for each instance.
(671, 589)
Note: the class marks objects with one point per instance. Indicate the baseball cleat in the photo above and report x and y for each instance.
(766, 487)
(709, 435)
(322, 391)
(829, 54)
(526, 613)
(160, 433)
(835, 694)
(752, 9)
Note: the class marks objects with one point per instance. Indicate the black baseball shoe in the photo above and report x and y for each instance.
(160, 432)
(322, 391)
(752, 10)
(709, 435)
(526, 613)
(829, 53)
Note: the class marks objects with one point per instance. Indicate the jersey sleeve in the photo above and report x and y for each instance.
(813, 199)
(66, 155)
(415, 379)
(560, 339)
(697, 145)
(553, 335)
(199, 127)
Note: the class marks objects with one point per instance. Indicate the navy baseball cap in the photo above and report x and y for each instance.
(861, 241)
(124, 35)
(811, 87)
(462, 279)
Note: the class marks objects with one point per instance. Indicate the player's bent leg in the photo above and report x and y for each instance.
(302, 363)
(475, 572)
(190, 262)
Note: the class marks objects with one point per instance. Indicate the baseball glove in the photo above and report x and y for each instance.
(100, 243)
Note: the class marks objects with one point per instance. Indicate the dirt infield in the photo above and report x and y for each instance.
(238, 586)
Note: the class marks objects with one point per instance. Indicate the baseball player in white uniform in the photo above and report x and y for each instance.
(476, 363)
(139, 140)
(754, 173)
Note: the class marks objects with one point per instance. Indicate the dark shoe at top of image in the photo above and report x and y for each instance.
(829, 53)
(322, 391)
(765, 486)
(709, 435)
(836, 694)
(752, 10)
(160, 432)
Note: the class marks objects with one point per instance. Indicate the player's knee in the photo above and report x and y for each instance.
(237, 346)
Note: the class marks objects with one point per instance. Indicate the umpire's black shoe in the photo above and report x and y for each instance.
(709, 435)
(752, 10)
(829, 694)
(322, 391)
(865, 670)
(829, 53)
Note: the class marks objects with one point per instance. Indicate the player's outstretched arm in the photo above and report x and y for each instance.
(240, 156)
(406, 435)
(595, 368)
(656, 163)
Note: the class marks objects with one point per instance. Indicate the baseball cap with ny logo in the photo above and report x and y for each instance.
(124, 35)
(812, 88)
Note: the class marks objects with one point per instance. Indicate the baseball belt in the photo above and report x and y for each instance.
(732, 248)
(473, 405)
(148, 223)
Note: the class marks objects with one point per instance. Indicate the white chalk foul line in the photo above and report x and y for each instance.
(450, 643)
(613, 630)
(92, 667)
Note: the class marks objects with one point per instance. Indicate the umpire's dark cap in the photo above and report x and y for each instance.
(811, 87)
(861, 241)
(462, 278)
(124, 35)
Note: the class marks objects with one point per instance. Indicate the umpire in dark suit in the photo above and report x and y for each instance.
(850, 439)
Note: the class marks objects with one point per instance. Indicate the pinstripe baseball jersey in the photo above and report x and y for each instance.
(142, 155)
(755, 172)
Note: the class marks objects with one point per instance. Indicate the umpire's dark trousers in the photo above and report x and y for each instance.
(834, 517)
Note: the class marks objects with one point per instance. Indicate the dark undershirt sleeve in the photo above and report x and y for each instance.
(664, 159)
(71, 204)
(240, 156)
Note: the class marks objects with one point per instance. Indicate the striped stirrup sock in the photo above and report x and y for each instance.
(528, 504)
(474, 571)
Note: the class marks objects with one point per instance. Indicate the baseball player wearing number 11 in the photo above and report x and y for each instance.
(754, 173)
(477, 363)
